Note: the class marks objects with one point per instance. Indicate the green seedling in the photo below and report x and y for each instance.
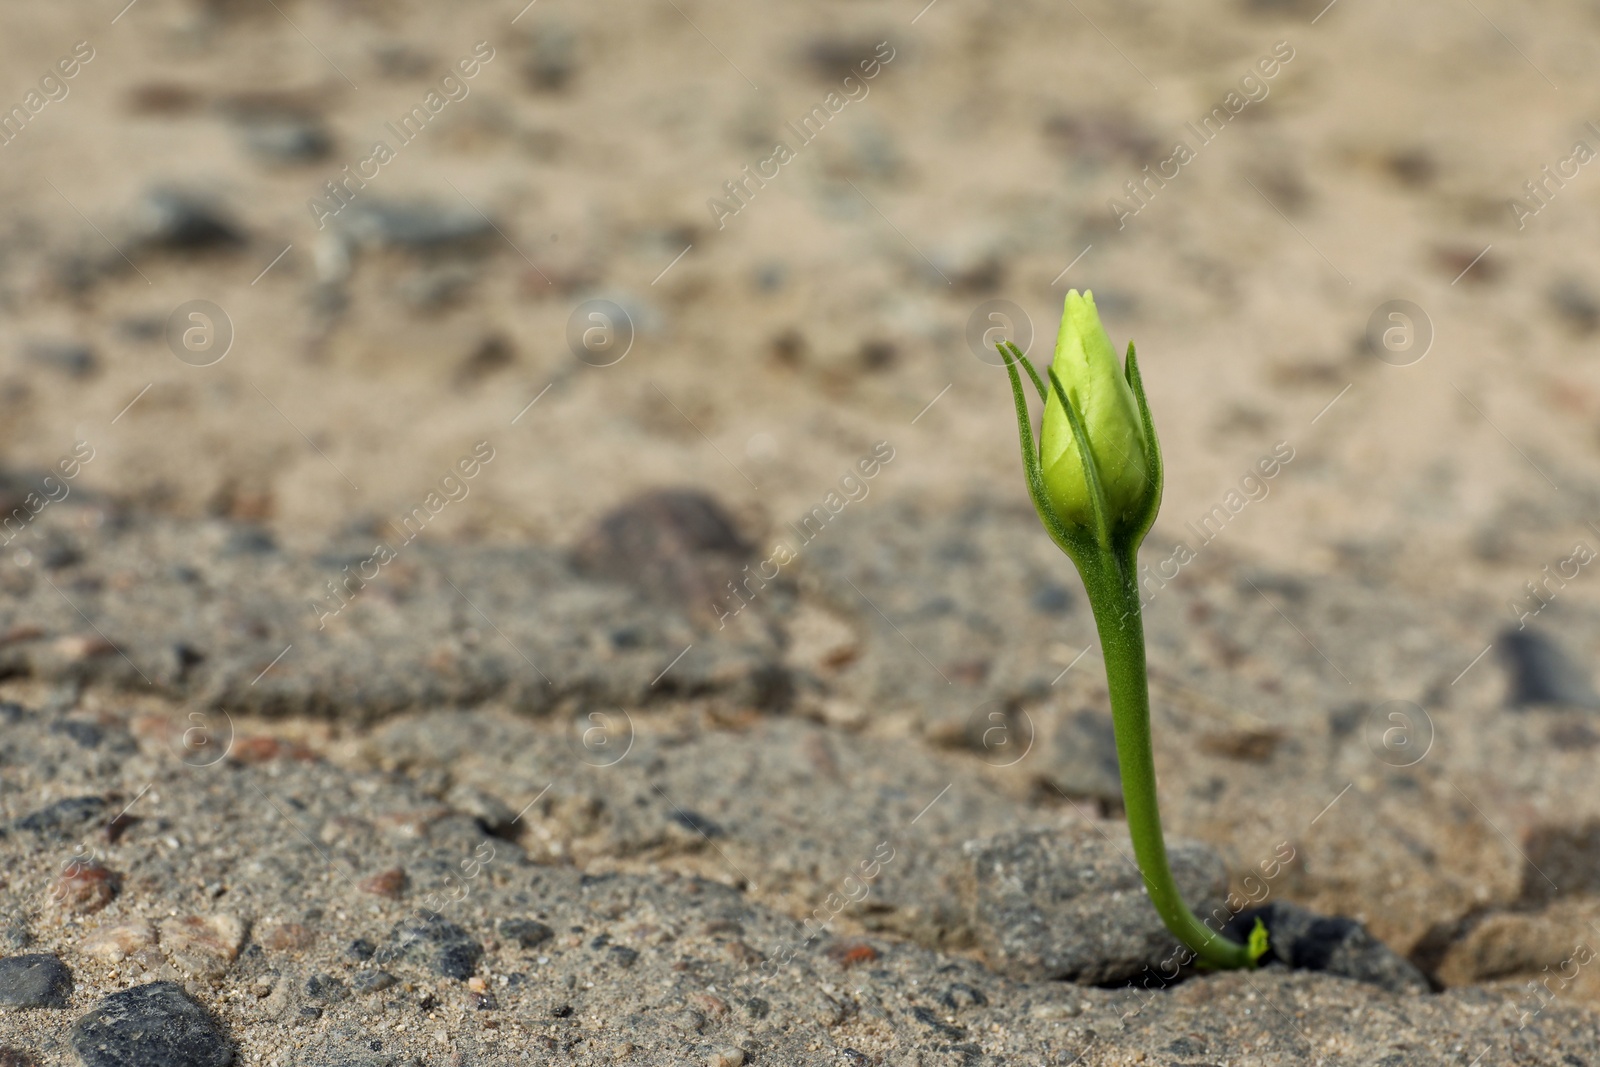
(1095, 479)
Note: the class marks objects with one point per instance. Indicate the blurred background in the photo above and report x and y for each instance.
(822, 308)
(279, 270)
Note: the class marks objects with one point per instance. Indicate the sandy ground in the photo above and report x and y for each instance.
(1362, 161)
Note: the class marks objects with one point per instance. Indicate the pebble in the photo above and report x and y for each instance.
(37, 980)
(284, 138)
(496, 816)
(707, 1004)
(447, 949)
(1542, 672)
(693, 820)
(391, 883)
(154, 1025)
(85, 887)
(528, 933)
(263, 749)
(372, 981)
(290, 937)
(1051, 598)
(325, 987)
(72, 358)
(86, 734)
(1245, 745)
(491, 354)
(727, 1057)
(182, 222)
(203, 945)
(63, 819)
(677, 545)
(433, 287)
(850, 953)
(551, 59)
(76, 648)
(960, 995)
(412, 225)
(114, 944)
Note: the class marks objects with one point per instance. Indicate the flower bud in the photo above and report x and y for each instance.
(1093, 378)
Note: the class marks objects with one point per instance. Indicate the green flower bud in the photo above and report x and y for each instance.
(1094, 381)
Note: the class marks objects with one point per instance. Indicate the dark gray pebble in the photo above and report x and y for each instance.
(284, 138)
(528, 933)
(63, 818)
(36, 980)
(155, 1025)
(325, 987)
(86, 734)
(182, 222)
(413, 225)
(447, 949)
(1542, 672)
(693, 820)
(372, 981)
(72, 358)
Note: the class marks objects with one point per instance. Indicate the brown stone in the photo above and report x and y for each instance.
(289, 937)
(116, 943)
(391, 883)
(204, 946)
(85, 887)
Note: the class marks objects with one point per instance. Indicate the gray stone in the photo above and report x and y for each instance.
(72, 358)
(154, 1025)
(551, 59)
(372, 981)
(528, 933)
(1070, 903)
(283, 138)
(36, 980)
(1333, 945)
(183, 222)
(1541, 672)
(676, 545)
(447, 949)
(62, 819)
(413, 225)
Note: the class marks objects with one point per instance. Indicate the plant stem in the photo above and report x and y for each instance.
(1113, 590)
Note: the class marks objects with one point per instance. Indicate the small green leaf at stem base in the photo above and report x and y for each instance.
(1257, 944)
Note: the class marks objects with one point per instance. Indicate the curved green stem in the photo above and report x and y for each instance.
(1112, 585)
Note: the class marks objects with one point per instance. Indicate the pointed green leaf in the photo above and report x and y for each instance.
(1038, 382)
(1091, 472)
(1031, 468)
(1152, 451)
